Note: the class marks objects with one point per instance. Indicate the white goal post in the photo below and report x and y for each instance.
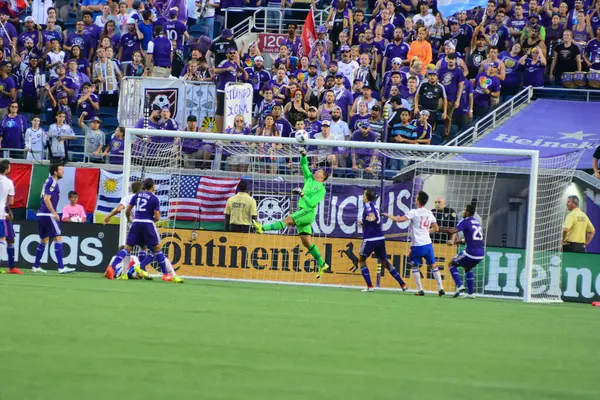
(537, 252)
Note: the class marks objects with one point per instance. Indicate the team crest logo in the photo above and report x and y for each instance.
(163, 98)
(271, 209)
(209, 125)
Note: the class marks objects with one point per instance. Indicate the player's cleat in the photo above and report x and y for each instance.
(257, 226)
(441, 292)
(123, 277)
(369, 289)
(459, 291)
(167, 277)
(470, 296)
(420, 293)
(66, 270)
(177, 279)
(321, 270)
(38, 270)
(15, 271)
(404, 287)
(140, 272)
(109, 273)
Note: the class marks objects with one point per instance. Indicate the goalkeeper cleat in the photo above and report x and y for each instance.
(420, 293)
(459, 291)
(441, 292)
(140, 272)
(257, 226)
(167, 277)
(369, 289)
(321, 270)
(404, 287)
(177, 279)
(470, 296)
(15, 271)
(66, 270)
(38, 270)
(110, 273)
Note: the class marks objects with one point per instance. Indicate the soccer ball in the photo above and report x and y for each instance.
(301, 136)
(162, 101)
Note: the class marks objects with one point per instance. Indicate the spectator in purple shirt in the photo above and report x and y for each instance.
(116, 147)
(91, 29)
(534, 67)
(487, 86)
(364, 159)
(12, 131)
(8, 91)
(8, 29)
(31, 83)
(453, 79)
(32, 31)
(87, 101)
(130, 42)
(82, 40)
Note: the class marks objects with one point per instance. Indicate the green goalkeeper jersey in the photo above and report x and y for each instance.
(313, 191)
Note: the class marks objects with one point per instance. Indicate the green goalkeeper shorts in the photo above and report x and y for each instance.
(303, 218)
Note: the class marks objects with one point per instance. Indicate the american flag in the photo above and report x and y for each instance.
(202, 198)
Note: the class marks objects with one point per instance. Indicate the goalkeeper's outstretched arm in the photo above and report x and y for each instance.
(304, 164)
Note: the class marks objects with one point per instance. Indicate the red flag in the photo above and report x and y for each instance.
(20, 174)
(309, 35)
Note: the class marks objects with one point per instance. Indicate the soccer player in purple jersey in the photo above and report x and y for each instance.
(48, 221)
(374, 242)
(143, 232)
(472, 255)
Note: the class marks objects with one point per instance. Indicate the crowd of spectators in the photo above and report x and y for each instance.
(402, 62)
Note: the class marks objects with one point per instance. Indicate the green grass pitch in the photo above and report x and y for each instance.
(82, 337)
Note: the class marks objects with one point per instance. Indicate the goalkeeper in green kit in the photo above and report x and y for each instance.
(311, 195)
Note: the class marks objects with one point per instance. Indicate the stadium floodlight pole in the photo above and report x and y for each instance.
(533, 155)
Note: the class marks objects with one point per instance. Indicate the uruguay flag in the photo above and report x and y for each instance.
(451, 7)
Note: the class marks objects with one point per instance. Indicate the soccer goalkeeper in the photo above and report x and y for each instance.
(311, 195)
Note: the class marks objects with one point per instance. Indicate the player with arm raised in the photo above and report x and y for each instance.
(422, 224)
(374, 242)
(143, 233)
(7, 195)
(311, 195)
(48, 221)
(470, 257)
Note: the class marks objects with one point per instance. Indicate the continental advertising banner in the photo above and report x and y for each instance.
(282, 258)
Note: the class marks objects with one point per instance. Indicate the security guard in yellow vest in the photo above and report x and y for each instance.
(578, 230)
(240, 210)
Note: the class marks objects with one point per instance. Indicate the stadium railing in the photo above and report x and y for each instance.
(493, 119)
(262, 20)
(566, 94)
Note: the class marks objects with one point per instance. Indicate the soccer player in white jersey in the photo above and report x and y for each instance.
(7, 195)
(422, 224)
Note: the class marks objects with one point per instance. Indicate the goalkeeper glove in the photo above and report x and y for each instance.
(303, 150)
(298, 191)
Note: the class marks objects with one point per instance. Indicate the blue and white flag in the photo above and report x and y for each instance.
(451, 7)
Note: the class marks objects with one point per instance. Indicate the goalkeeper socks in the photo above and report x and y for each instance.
(314, 251)
(455, 276)
(10, 251)
(142, 257)
(160, 258)
(438, 277)
(58, 251)
(39, 252)
(147, 260)
(395, 274)
(470, 281)
(275, 226)
(417, 277)
(365, 273)
(119, 258)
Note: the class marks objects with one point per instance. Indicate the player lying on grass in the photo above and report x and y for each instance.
(422, 224)
(143, 232)
(472, 255)
(374, 242)
(311, 195)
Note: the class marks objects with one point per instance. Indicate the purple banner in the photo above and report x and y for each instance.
(593, 212)
(339, 214)
(552, 127)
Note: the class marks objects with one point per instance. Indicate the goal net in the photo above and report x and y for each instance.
(197, 244)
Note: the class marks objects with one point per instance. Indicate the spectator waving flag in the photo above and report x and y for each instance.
(309, 35)
(451, 7)
(202, 198)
